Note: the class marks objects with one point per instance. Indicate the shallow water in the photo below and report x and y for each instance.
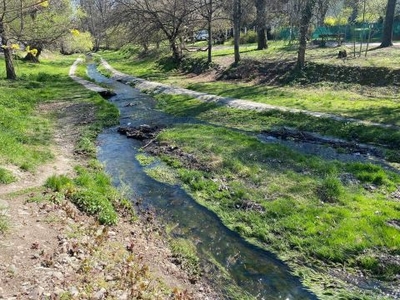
(254, 271)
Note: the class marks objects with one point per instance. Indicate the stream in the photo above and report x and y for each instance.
(241, 266)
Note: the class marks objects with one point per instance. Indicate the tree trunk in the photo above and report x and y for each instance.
(31, 58)
(261, 24)
(210, 39)
(8, 58)
(322, 9)
(306, 16)
(388, 26)
(34, 58)
(176, 51)
(237, 14)
(209, 28)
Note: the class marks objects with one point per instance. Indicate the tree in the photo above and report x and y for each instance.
(306, 15)
(76, 42)
(388, 25)
(168, 16)
(43, 25)
(208, 9)
(207, 12)
(322, 7)
(97, 19)
(8, 13)
(237, 20)
(261, 7)
(33, 23)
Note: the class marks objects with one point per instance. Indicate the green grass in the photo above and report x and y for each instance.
(299, 201)
(141, 66)
(375, 104)
(91, 191)
(185, 254)
(287, 202)
(267, 120)
(25, 133)
(6, 176)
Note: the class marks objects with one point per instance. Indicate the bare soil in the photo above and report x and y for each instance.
(53, 251)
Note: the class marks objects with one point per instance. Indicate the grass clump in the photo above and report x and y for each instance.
(4, 223)
(93, 193)
(330, 190)
(6, 176)
(369, 173)
(185, 254)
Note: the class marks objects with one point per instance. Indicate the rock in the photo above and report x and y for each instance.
(13, 269)
(58, 275)
(4, 204)
(74, 291)
(36, 293)
(123, 296)
(100, 294)
(58, 291)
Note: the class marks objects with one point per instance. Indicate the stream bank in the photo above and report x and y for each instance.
(231, 263)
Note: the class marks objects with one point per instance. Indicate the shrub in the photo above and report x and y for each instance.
(95, 203)
(58, 183)
(249, 38)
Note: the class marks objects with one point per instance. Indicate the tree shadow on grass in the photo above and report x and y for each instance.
(385, 115)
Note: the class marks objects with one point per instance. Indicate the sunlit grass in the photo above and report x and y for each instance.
(376, 104)
(26, 131)
(259, 121)
(273, 195)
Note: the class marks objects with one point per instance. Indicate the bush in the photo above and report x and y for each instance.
(58, 183)
(95, 203)
(77, 43)
(249, 38)
(195, 65)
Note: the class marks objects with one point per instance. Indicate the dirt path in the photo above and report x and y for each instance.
(53, 251)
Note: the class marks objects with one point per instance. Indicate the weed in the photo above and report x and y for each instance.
(6, 176)
(4, 222)
(184, 253)
(330, 190)
(145, 160)
(58, 183)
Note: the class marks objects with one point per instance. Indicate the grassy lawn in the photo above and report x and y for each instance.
(25, 134)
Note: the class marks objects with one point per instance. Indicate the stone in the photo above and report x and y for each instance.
(13, 269)
(4, 204)
(74, 291)
(36, 293)
(100, 294)
(58, 275)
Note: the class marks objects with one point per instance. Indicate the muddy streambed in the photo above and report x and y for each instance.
(240, 265)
